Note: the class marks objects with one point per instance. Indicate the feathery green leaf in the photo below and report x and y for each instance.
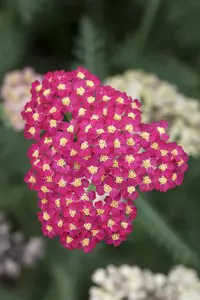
(89, 48)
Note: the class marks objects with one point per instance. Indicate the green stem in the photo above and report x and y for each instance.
(156, 226)
(147, 22)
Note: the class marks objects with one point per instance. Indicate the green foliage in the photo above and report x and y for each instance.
(25, 9)
(89, 48)
(146, 24)
(4, 295)
(166, 67)
(179, 15)
(62, 283)
(12, 43)
(156, 226)
(28, 9)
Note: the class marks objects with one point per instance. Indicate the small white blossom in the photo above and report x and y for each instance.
(133, 283)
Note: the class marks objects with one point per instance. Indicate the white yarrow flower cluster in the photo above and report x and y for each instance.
(15, 93)
(133, 283)
(161, 100)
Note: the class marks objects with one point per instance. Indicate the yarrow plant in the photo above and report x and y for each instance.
(15, 92)
(133, 283)
(91, 155)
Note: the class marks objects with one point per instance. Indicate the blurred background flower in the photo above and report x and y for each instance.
(150, 49)
(162, 101)
(16, 251)
(15, 92)
(133, 283)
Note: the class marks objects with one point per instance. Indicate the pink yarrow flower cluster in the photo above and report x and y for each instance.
(91, 155)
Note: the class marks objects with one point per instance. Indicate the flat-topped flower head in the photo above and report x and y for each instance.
(91, 155)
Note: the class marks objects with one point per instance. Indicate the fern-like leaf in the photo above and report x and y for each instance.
(90, 48)
(156, 226)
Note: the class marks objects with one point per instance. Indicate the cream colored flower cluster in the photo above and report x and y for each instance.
(132, 283)
(15, 92)
(162, 100)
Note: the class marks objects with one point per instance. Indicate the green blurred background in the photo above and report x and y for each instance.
(107, 37)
